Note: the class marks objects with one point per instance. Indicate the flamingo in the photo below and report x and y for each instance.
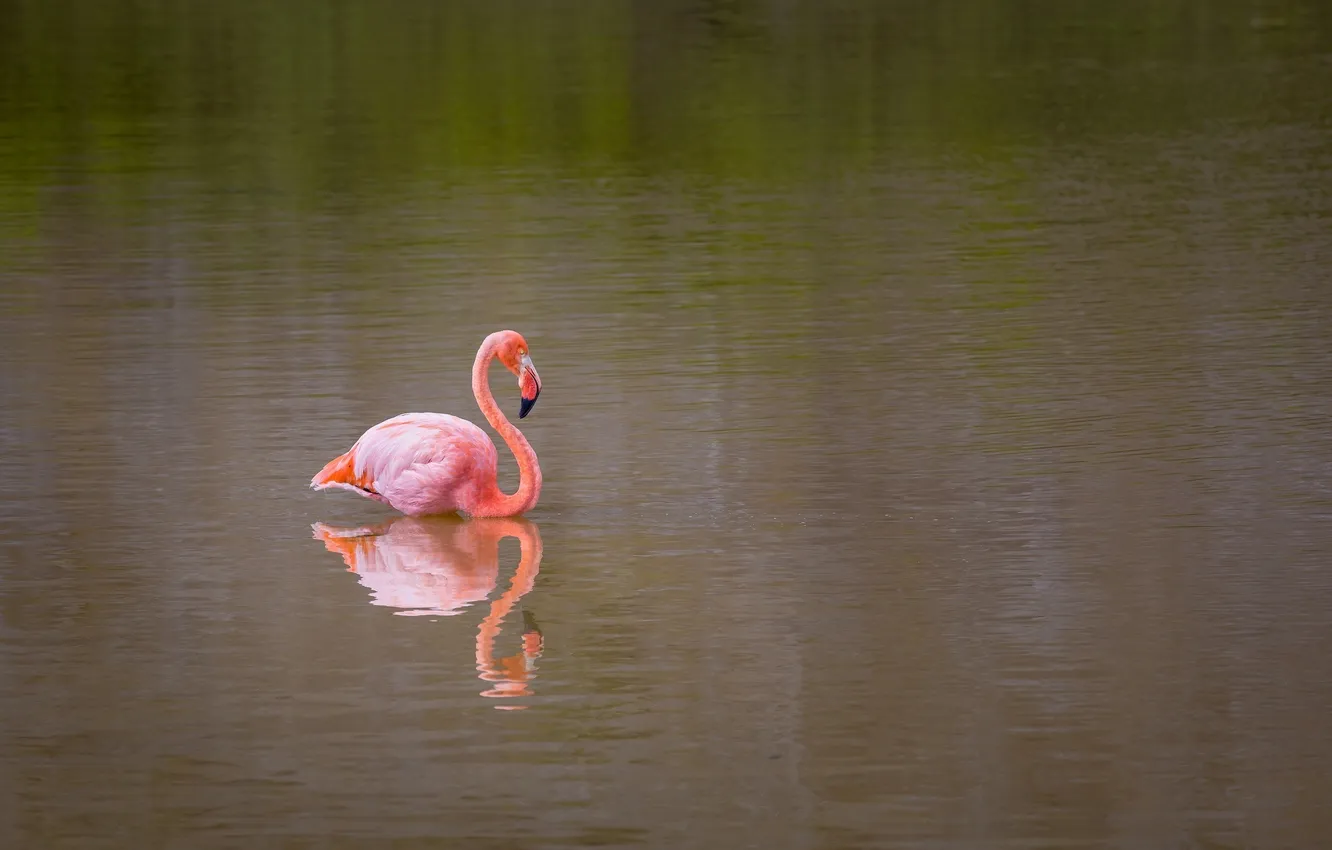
(432, 463)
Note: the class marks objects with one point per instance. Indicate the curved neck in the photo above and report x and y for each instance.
(529, 472)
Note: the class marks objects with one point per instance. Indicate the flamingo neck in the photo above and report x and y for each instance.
(496, 502)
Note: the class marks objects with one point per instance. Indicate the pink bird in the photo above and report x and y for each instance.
(433, 463)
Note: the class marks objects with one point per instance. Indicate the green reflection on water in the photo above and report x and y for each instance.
(301, 99)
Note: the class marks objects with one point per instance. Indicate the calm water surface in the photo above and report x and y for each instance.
(935, 425)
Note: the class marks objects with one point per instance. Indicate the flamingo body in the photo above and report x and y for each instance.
(433, 463)
(418, 463)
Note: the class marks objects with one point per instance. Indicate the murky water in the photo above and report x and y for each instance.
(935, 425)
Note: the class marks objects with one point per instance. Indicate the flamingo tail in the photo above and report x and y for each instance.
(340, 472)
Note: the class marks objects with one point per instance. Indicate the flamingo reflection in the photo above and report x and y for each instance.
(438, 566)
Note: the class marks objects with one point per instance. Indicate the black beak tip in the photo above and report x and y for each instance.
(526, 407)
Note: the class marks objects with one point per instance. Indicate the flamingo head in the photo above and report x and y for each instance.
(514, 354)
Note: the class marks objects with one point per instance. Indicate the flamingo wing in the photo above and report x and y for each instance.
(418, 463)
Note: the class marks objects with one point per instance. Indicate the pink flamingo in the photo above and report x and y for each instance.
(432, 463)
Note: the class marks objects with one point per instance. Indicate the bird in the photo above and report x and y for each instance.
(424, 464)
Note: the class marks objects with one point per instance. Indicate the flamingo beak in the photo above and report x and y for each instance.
(529, 385)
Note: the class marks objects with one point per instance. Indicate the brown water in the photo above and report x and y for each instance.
(935, 424)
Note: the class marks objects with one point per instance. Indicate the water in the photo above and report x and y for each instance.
(934, 424)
